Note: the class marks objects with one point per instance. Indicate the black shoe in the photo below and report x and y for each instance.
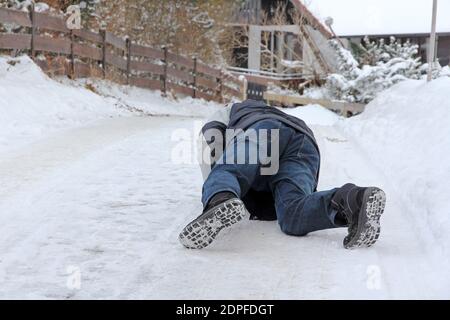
(361, 210)
(223, 211)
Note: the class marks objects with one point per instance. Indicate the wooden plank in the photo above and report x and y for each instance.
(231, 79)
(231, 91)
(13, 16)
(88, 35)
(116, 61)
(15, 41)
(142, 66)
(180, 75)
(315, 49)
(207, 83)
(207, 70)
(43, 64)
(49, 22)
(62, 64)
(48, 44)
(261, 80)
(180, 89)
(145, 83)
(144, 51)
(115, 41)
(96, 70)
(180, 60)
(54, 67)
(206, 96)
(115, 76)
(85, 70)
(82, 70)
(86, 51)
(329, 104)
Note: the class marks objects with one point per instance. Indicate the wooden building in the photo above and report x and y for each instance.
(296, 50)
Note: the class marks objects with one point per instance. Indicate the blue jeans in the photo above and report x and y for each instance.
(299, 209)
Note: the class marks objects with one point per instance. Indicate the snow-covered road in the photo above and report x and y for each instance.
(105, 203)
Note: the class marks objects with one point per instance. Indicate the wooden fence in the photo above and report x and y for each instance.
(83, 53)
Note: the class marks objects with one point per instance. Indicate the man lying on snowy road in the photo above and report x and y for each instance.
(258, 161)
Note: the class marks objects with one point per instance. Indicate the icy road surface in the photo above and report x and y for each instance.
(95, 212)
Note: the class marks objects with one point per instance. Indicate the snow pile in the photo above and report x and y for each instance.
(150, 102)
(445, 71)
(314, 115)
(32, 105)
(406, 130)
(316, 93)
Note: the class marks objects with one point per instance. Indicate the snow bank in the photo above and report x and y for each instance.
(151, 102)
(314, 115)
(32, 105)
(406, 130)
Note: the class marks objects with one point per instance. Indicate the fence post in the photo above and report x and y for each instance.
(194, 84)
(164, 76)
(244, 88)
(219, 90)
(103, 34)
(128, 45)
(33, 30)
(72, 56)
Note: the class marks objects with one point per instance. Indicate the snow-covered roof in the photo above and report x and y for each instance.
(381, 17)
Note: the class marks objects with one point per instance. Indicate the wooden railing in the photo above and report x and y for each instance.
(83, 53)
(344, 108)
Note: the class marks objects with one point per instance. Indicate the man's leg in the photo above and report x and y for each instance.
(300, 210)
(235, 173)
(230, 176)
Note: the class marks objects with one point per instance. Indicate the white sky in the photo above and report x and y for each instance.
(363, 17)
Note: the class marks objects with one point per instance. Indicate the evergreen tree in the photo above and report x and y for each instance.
(381, 66)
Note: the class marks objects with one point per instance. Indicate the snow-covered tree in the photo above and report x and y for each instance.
(381, 66)
(375, 52)
(370, 52)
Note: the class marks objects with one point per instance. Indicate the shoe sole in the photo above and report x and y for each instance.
(201, 232)
(369, 227)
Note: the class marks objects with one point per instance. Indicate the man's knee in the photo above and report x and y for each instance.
(291, 223)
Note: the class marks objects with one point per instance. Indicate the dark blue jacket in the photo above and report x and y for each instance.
(243, 115)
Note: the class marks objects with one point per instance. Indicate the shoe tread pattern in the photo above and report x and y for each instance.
(201, 232)
(369, 227)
